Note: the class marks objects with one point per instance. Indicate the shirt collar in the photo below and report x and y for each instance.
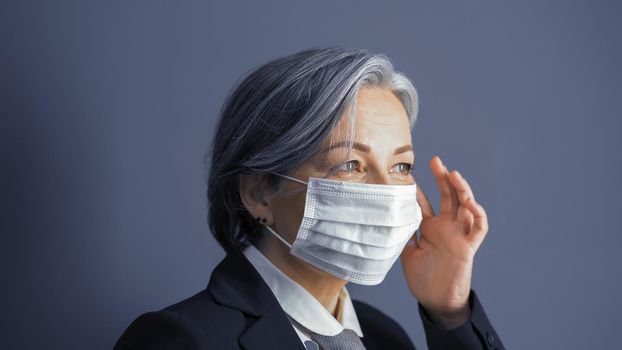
(301, 305)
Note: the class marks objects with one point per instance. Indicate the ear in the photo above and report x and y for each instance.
(253, 191)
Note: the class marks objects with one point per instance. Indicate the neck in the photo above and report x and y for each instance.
(323, 286)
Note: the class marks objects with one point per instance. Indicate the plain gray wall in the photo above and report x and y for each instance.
(107, 109)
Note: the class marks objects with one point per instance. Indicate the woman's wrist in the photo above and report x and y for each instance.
(450, 320)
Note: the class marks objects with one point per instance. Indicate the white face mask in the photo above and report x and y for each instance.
(352, 230)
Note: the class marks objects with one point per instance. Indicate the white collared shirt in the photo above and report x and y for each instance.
(301, 305)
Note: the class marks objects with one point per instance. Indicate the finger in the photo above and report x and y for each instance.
(412, 242)
(449, 199)
(411, 246)
(464, 192)
(461, 186)
(465, 216)
(480, 221)
(424, 203)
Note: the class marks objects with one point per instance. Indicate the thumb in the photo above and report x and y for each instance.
(411, 245)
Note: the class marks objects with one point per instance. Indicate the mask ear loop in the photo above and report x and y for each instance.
(291, 178)
(268, 227)
(277, 236)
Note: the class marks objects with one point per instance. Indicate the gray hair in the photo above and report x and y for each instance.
(279, 116)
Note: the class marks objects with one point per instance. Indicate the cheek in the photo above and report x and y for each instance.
(287, 214)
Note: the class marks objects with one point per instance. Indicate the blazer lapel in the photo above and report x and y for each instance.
(236, 284)
(271, 331)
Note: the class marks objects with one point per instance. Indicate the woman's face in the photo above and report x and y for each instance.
(382, 154)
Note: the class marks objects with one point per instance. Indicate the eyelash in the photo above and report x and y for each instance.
(410, 166)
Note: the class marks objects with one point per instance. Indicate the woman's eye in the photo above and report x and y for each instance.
(404, 168)
(350, 166)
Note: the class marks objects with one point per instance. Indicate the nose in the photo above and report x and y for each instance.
(377, 178)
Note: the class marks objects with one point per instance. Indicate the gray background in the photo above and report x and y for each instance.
(107, 109)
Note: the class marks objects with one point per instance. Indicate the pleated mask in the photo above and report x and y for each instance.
(354, 231)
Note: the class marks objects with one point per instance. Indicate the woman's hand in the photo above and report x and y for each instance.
(438, 267)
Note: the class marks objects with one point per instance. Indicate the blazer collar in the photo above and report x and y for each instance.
(236, 284)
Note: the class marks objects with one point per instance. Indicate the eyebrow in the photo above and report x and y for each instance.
(365, 148)
(403, 149)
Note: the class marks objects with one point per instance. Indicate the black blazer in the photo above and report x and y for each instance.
(237, 310)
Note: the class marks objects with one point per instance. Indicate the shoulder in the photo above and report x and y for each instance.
(196, 322)
(380, 328)
(161, 330)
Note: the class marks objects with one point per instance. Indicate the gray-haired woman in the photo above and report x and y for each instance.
(311, 187)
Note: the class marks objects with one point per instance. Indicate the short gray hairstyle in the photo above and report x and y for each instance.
(279, 116)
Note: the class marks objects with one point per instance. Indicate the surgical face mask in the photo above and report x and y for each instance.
(354, 231)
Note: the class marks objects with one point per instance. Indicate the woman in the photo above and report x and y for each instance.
(310, 188)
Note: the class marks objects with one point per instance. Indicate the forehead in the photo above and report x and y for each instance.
(380, 102)
(381, 123)
(380, 120)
